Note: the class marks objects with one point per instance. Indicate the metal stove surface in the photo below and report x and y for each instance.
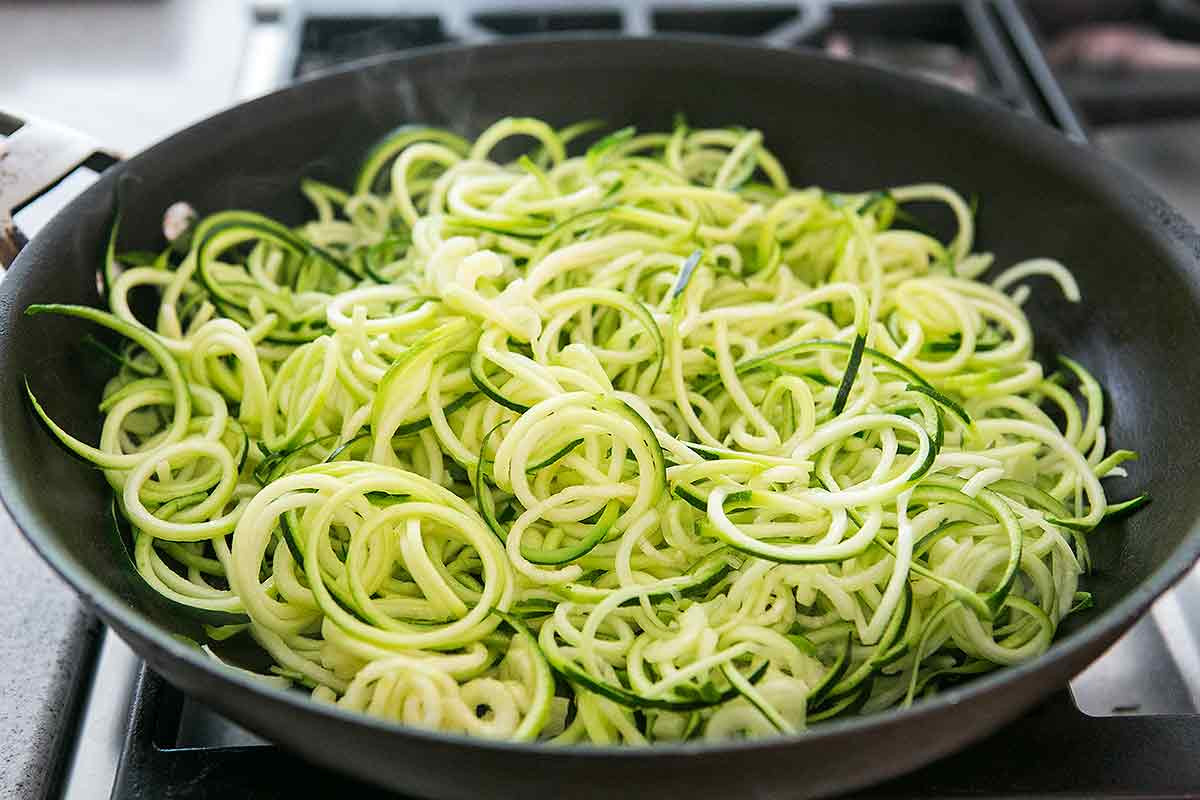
(1128, 726)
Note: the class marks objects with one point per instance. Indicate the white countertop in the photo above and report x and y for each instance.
(128, 73)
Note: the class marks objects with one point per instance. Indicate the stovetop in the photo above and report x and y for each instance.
(82, 718)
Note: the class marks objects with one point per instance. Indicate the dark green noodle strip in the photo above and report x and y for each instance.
(569, 553)
(480, 378)
(623, 444)
(557, 455)
(1082, 602)
(942, 400)
(139, 258)
(843, 706)
(483, 492)
(112, 265)
(1126, 507)
(843, 393)
(833, 675)
(277, 464)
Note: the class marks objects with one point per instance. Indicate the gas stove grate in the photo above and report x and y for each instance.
(975, 45)
(1056, 750)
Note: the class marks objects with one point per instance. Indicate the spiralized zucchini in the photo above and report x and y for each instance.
(641, 444)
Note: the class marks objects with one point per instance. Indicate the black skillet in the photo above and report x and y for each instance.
(835, 124)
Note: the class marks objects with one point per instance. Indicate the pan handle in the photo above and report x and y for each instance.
(35, 158)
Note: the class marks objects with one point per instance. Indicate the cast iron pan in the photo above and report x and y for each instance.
(840, 125)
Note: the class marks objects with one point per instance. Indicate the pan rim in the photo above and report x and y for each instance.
(1110, 622)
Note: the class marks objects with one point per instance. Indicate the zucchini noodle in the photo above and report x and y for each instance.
(628, 443)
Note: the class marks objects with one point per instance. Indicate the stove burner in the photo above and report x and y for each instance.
(517, 24)
(741, 22)
(327, 42)
(1055, 750)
